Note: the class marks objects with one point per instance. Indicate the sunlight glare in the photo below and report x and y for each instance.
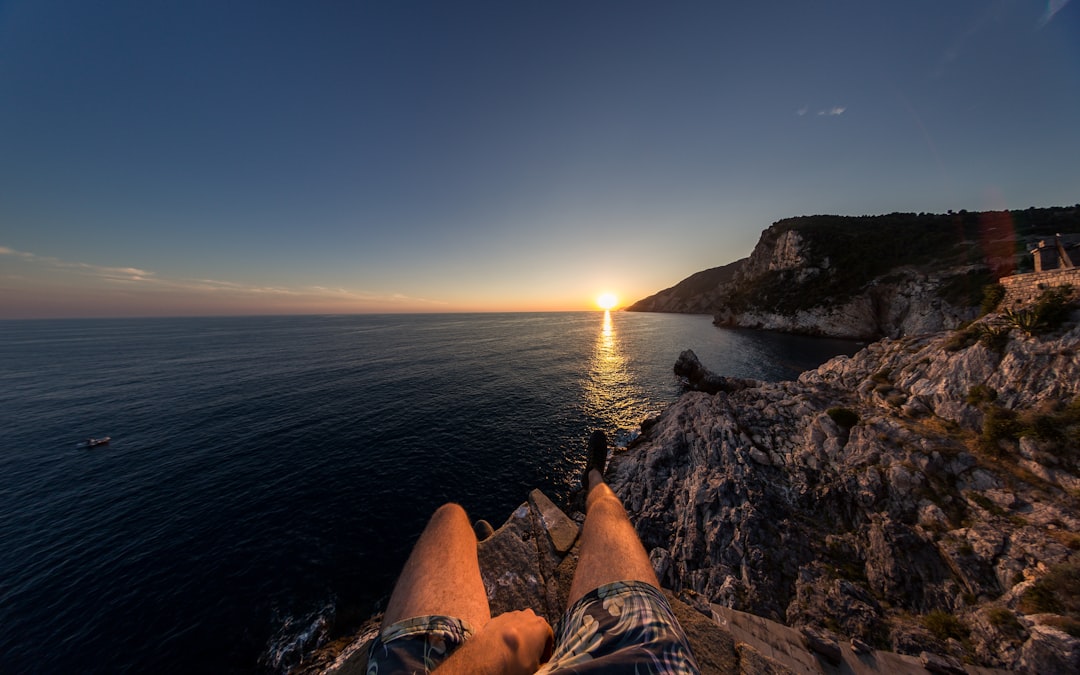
(607, 301)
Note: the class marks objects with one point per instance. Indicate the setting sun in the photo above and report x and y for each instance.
(606, 301)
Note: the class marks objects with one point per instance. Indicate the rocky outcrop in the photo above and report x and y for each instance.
(908, 303)
(866, 277)
(697, 377)
(909, 497)
(529, 562)
(700, 293)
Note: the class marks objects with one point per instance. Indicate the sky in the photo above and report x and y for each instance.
(163, 158)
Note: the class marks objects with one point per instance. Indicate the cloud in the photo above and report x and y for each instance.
(111, 273)
(212, 287)
(834, 111)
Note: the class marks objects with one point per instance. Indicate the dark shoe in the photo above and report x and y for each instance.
(483, 530)
(597, 456)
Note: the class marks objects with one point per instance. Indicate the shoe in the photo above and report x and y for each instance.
(596, 456)
(483, 530)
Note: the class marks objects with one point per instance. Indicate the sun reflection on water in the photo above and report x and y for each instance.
(613, 400)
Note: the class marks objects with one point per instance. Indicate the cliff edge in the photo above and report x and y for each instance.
(920, 496)
(867, 277)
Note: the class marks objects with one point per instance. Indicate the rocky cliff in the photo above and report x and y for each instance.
(700, 293)
(866, 277)
(922, 495)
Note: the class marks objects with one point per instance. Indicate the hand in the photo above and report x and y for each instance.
(514, 643)
(526, 637)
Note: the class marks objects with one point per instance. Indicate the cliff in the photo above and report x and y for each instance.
(911, 509)
(530, 562)
(867, 277)
(700, 293)
(920, 496)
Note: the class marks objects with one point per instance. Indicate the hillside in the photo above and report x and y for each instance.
(868, 276)
(697, 294)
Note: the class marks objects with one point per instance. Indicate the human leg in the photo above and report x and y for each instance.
(442, 574)
(439, 601)
(618, 622)
(610, 548)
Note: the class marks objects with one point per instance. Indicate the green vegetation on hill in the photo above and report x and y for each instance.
(845, 254)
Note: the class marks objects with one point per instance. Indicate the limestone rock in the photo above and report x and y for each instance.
(1050, 650)
(562, 531)
(756, 500)
(700, 378)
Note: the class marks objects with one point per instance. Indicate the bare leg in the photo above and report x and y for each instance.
(442, 574)
(610, 548)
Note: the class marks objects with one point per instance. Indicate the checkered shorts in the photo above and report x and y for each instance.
(625, 627)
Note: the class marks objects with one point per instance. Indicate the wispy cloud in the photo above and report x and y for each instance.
(824, 112)
(112, 273)
(211, 287)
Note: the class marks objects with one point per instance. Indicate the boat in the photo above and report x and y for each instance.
(94, 442)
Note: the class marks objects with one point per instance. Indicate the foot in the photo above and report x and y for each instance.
(597, 456)
(483, 530)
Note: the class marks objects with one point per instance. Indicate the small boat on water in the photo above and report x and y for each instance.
(94, 442)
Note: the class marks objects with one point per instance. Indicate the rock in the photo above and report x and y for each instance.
(758, 501)
(713, 646)
(560, 528)
(700, 378)
(755, 501)
(860, 647)
(753, 662)
(944, 665)
(1050, 650)
(510, 566)
(822, 645)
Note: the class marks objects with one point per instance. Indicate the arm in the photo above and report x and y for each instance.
(514, 643)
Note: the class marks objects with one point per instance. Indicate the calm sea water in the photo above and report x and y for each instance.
(267, 476)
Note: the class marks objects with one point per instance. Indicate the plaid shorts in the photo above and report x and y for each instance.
(624, 627)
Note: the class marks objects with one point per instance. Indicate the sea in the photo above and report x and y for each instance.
(266, 476)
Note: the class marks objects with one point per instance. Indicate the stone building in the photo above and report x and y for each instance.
(1061, 252)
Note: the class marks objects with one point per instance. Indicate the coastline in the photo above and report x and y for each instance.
(806, 537)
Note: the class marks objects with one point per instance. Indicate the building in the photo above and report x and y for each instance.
(1061, 252)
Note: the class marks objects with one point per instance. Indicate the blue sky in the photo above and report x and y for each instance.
(170, 158)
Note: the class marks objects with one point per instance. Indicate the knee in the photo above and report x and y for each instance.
(451, 513)
(602, 496)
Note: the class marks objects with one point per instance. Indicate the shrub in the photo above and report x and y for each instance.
(999, 423)
(980, 394)
(1056, 593)
(1053, 307)
(1005, 621)
(993, 294)
(993, 337)
(961, 338)
(896, 399)
(1044, 427)
(1024, 319)
(984, 501)
(1051, 310)
(944, 625)
(1065, 623)
(845, 417)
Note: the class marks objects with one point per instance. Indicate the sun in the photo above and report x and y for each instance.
(606, 301)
